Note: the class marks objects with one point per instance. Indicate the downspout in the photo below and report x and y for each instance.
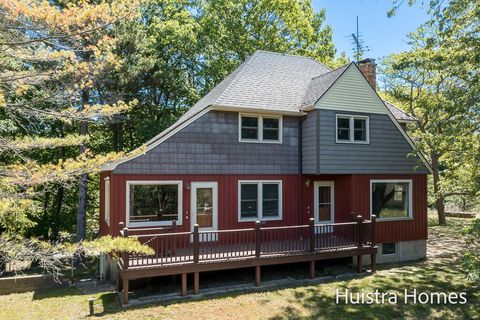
(300, 169)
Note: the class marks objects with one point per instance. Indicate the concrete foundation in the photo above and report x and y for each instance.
(108, 269)
(25, 283)
(406, 251)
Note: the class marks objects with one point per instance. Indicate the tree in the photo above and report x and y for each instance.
(438, 82)
(163, 54)
(53, 57)
(17, 254)
(232, 30)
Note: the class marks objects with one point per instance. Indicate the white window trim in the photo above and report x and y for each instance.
(410, 198)
(106, 200)
(260, 128)
(179, 183)
(352, 117)
(390, 254)
(259, 184)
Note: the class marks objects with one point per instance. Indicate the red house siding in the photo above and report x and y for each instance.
(393, 231)
(352, 194)
(227, 199)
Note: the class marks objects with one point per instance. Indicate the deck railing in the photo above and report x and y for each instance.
(198, 246)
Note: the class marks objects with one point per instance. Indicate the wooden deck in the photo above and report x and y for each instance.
(198, 251)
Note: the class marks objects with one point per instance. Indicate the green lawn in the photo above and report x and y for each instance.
(438, 273)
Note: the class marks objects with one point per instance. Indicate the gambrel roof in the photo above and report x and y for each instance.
(271, 82)
(267, 82)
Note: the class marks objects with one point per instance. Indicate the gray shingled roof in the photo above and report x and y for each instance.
(399, 114)
(271, 81)
(267, 81)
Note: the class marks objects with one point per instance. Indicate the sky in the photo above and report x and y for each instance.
(381, 34)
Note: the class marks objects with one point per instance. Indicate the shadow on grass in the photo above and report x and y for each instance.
(47, 293)
(320, 302)
(221, 280)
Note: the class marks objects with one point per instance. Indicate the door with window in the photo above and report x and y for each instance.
(204, 206)
(324, 202)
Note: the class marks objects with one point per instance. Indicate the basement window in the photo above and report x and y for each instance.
(389, 249)
(352, 129)
(153, 203)
(259, 200)
(260, 128)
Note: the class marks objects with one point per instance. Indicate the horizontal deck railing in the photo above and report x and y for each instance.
(201, 246)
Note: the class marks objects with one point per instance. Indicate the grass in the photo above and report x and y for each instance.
(439, 272)
(454, 226)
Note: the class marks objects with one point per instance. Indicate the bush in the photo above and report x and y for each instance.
(471, 259)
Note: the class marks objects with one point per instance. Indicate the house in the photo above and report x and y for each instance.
(282, 141)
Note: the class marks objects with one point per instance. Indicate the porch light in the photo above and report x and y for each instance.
(307, 183)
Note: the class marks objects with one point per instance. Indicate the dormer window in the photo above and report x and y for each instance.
(352, 129)
(260, 128)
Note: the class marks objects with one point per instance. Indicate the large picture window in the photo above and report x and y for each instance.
(391, 199)
(352, 129)
(151, 203)
(254, 128)
(260, 200)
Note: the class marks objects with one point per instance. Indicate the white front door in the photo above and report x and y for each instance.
(204, 205)
(323, 200)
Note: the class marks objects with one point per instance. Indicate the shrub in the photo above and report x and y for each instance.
(471, 259)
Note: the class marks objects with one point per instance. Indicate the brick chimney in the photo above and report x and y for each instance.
(369, 70)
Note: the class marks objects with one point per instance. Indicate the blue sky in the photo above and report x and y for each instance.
(382, 34)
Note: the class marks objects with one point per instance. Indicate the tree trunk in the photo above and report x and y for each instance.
(46, 202)
(82, 182)
(82, 208)
(439, 198)
(118, 136)
(440, 205)
(58, 212)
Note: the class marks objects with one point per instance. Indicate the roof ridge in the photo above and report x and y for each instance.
(324, 74)
(294, 56)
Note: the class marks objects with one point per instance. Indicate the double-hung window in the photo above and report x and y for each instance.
(391, 199)
(352, 129)
(256, 128)
(153, 203)
(259, 200)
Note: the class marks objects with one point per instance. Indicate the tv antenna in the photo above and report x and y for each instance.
(359, 47)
